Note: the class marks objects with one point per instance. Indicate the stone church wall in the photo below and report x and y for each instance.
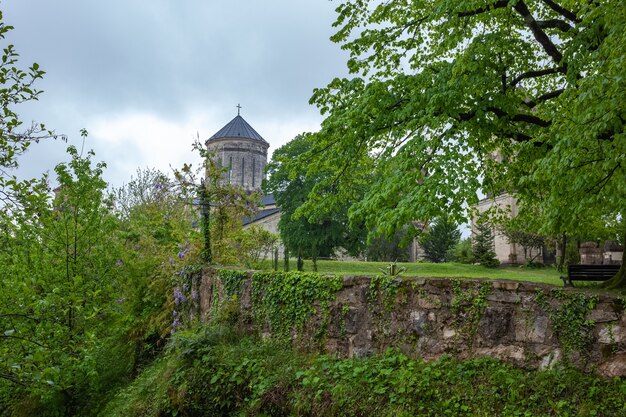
(529, 325)
(246, 159)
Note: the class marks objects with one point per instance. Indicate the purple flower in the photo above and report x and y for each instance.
(194, 294)
(120, 300)
(170, 260)
(119, 263)
(179, 297)
(182, 253)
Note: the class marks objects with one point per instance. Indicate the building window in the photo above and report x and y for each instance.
(253, 172)
(230, 170)
(243, 171)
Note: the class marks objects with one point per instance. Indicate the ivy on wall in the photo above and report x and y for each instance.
(569, 319)
(469, 305)
(286, 300)
(232, 281)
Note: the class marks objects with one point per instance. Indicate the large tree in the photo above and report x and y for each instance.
(455, 98)
(316, 235)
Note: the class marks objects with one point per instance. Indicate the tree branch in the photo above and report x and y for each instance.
(2, 336)
(497, 5)
(526, 118)
(554, 24)
(562, 11)
(12, 378)
(544, 97)
(534, 74)
(548, 46)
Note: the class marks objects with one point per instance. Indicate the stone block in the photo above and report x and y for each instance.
(505, 285)
(614, 367)
(603, 313)
(531, 328)
(504, 297)
(495, 325)
(504, 352)
(420, 323)
(428, 303)
(550, 359)
(610, 334)
(448, 333)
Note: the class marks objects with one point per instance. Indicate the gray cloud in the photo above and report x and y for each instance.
(182, 62)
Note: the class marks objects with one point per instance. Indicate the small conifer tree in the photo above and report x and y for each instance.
(439, 242)
(484, 253)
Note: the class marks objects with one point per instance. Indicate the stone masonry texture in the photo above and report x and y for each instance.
(520, 323)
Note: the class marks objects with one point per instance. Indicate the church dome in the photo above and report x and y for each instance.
(242, 152)
(237, 128)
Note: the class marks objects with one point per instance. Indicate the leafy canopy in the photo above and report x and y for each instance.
(439, 87)
(310, 236)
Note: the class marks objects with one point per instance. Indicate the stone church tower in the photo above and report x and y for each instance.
(243, 151)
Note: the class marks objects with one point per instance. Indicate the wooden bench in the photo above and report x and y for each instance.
(589, 273)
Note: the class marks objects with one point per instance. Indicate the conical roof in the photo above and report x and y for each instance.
(237, 128)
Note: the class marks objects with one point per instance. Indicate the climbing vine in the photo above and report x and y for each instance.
(286, 300)
(468, 306)
(569, 318)
(232, 281)
(384, 288)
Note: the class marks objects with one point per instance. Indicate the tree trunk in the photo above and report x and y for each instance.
(561, 266)
(286, 259)
(300, 263)
(619, 280)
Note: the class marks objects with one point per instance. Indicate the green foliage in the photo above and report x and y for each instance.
(440, 240)
(214, 371)
(232, 280)
(448, 99)
(463, 251)
(222, 205)
(17, 86)
(569, 320)
(284, 301)
(387, 249)
(59, 286)
(482, 245)
(255, 245)
(527, 239)
(311, 236)
(469, 304)
(384, 288)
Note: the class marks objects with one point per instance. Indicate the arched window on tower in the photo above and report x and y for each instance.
(253, 172)
(230, 170)
(243, 171)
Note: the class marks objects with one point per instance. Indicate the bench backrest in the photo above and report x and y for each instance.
(592, 272)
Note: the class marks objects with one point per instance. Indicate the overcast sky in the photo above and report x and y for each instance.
(145, 76)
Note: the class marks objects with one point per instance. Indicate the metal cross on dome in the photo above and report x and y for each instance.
(238, 109)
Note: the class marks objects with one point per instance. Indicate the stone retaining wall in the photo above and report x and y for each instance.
(529, 325)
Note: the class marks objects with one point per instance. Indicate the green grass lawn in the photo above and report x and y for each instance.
(547, 275)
